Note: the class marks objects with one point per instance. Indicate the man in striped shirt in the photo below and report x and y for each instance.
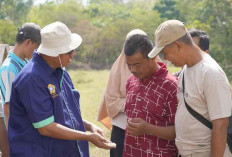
(27, 40)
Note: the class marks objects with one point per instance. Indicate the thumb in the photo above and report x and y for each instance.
(103, 139)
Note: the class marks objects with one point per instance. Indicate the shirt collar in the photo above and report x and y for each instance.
(16, 58)
(47, 69)
(162, 70)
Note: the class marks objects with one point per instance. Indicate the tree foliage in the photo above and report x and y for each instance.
(103, 24)
(167, 9)
(15, 10)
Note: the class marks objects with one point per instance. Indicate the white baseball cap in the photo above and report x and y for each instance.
(57, 39)
(168, 32)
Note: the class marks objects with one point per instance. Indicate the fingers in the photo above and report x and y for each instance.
(131, 133)
(136, 126)
(136, 120)
(108, 145)
(102, 142)
(131, 129)
(105, 143)
(103, 139)
(96, 129)
(101, 132)
(132, 124)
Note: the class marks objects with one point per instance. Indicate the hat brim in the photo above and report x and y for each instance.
(155, 51)
(75, 42)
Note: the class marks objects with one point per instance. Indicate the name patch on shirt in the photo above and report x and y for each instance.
(52, 90)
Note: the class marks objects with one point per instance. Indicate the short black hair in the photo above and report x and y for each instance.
(202, 36)
(138, 43)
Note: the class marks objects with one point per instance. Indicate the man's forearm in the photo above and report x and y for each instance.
(218, 138)
(138, 127)
(4, 145)
(167, 133)
(58, 131)
(6, 113)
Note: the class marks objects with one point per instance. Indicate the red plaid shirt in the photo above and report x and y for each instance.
(154, 101)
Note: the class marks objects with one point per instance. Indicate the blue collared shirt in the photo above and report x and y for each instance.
(40, 96)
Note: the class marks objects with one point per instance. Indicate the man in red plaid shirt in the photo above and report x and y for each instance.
(151, 103)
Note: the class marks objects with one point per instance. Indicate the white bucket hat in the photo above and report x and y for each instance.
(57, 39)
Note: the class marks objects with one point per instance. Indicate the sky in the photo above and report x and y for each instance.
(37, 2)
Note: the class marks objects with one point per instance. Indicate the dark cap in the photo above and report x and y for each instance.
(30, 31)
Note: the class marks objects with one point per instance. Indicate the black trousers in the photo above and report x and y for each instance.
(117, 136)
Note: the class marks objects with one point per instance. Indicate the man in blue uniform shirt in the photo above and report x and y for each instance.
(45, 118)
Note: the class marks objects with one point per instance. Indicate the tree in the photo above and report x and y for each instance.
(68, 12)
(167, 9)
(15, 10)
(213, 16)
(8, 32)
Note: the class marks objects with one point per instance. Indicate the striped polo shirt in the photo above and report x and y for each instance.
(10, 68)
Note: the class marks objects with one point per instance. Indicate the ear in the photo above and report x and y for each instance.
(207, 51)
(27, 41)
(178, 43)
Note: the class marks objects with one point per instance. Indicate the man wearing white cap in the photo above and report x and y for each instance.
(45, 118)
(203, 87)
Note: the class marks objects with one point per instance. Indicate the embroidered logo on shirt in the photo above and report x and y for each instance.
(52, 90)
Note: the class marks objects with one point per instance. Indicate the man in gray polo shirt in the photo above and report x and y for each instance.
(206, 90)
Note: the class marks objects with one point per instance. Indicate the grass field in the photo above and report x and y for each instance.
(91, 85)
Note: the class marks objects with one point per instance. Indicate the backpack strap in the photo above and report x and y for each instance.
(195, 114)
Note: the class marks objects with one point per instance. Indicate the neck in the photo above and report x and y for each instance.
(194, 55)
(19, 51)
(50, 61)
(154, 69)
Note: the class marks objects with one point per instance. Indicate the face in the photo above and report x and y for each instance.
(173, 53)
(67, 58)
(139, 66)
(31, 46)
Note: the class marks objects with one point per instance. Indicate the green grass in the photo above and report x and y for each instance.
(91, 85)
(173, 69)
